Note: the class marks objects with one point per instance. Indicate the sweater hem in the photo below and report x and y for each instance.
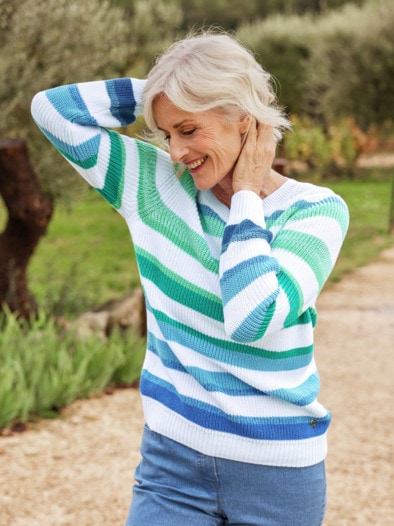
(279, 453)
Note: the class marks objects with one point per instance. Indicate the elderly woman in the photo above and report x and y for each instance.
(232, 256)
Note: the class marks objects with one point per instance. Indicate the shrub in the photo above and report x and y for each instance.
(334, 150)
(43, 369)
(350, 69)
(282, 45)
(330, 66)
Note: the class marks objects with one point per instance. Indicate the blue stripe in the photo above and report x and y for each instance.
(123, 101)
(210, 417)
(242, 275)
(83, 154)
(66, 99)
(243, 232)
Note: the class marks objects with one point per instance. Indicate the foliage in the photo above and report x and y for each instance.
(282, 45)
(45, 43)
(331, 66)
(229, 14)
(43, 369)
(351, 67)
(86, 258)
(333, 150)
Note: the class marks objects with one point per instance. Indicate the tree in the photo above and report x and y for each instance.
(45, 43)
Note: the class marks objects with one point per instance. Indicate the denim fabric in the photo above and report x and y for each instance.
(177, 486)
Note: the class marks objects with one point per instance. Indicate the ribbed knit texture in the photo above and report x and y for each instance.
(230, 293)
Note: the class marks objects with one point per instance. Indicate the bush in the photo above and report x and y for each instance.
(282, 44)
(350, 70)
(43, 369)
(333, 151)
(331, 66)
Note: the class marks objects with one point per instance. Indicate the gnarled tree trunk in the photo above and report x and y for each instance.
(29, 212)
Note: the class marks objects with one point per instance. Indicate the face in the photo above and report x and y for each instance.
(207, 144)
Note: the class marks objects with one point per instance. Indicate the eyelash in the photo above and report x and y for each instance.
(189, 132)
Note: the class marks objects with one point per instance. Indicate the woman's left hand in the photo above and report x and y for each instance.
(254, 164)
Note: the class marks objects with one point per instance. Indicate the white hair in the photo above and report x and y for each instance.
(213, 71)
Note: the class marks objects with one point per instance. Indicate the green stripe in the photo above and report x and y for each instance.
(212, 226)
(114, 178)
(163, 219)
(178, 288)
(332, 207)
(227, 345)
(294, 294)
(308, 247)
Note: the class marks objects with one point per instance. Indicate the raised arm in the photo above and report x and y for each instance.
(77, 119)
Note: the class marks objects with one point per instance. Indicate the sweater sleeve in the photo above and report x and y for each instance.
(77, 119)
(270, 282)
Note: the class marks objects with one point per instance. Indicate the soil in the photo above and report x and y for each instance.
(78, 470)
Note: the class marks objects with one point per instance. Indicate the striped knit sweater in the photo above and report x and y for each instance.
(230, 293)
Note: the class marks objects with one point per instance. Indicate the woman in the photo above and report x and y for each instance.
(232, 256)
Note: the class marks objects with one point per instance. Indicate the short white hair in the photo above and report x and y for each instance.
(212, 70)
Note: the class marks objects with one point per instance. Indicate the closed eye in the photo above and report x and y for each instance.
(189, 132)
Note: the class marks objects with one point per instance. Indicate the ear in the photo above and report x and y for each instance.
(244, 123)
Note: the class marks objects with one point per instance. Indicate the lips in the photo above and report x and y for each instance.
(196, 164)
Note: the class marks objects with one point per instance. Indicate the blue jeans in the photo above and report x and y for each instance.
(177, 486)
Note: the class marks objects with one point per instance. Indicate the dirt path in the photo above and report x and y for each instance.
(78, 471)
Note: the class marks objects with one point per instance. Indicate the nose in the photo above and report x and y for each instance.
(178, 149)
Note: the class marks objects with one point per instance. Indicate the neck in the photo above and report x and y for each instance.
(224, 191)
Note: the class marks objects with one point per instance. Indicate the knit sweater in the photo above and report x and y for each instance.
(230, 292)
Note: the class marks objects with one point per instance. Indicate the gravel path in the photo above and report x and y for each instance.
(78, 470)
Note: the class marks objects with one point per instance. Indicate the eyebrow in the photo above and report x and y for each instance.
(177, 125)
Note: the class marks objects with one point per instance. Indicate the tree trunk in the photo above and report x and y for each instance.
(29, 212)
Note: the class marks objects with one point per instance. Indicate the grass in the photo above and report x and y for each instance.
(368, 200)
(86, 258)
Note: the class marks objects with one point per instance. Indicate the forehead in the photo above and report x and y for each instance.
(167, 115)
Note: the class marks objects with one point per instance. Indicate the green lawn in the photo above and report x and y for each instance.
(86, 257)
(369, 204)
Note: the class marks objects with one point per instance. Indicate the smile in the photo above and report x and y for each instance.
(196, 164)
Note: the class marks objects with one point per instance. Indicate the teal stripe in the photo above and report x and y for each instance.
(221, 382)
(178, 288)
(294, 294)
(114, 179)
(164, 220)
(257, 322)
(302, 395)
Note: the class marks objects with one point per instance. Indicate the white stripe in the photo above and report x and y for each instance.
(287, 453)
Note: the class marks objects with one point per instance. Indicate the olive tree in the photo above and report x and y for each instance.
(45, 43)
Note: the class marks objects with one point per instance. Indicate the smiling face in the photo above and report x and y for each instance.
(205, 142)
